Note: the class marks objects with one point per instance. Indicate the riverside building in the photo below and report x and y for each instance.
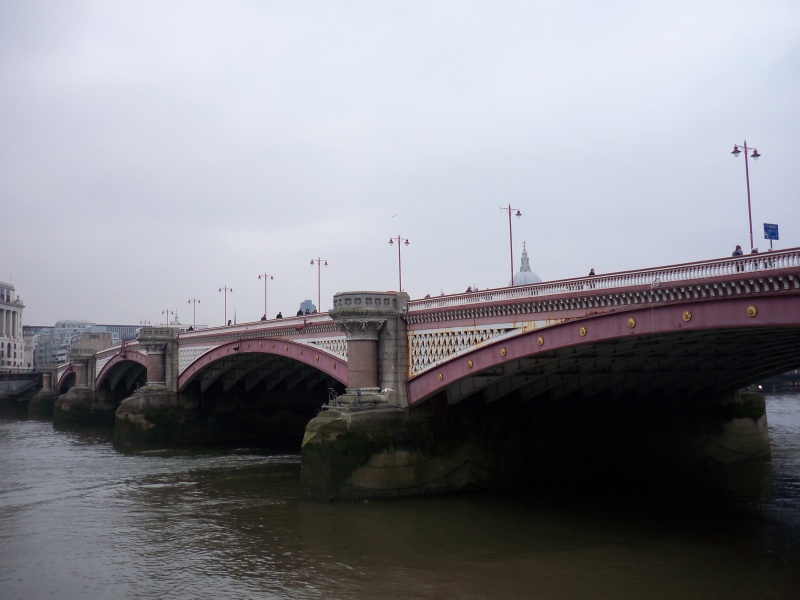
(12, 344)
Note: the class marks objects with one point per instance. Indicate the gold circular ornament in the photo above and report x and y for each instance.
(631, 323)
(469, 363)
(334, 366)
(687, 315)
(301, 352)
(316, 358)
(751, 311)
(583, 331)
(441, 376)
(502, 351)
(286, 348)
(540, 340)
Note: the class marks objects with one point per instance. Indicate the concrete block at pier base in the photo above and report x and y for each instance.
(81, 406)
(155, 417)
(353, 452)
(385, 453)
(41, 406)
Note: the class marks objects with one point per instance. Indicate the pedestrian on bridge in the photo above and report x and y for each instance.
(738, 251)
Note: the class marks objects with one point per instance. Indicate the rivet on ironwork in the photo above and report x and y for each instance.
(502, 351)
(751, 311)
(631, 323)
(583, 331)
(687, 315)
(469, 363)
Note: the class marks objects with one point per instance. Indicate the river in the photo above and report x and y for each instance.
(79, 519)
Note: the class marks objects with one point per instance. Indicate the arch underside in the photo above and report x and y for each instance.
(232, 365)
(694, 359)
(123, 374)
(123, 371)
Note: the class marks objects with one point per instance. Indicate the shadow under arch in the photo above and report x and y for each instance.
(137, 358)
(326, 363)
(670, 349)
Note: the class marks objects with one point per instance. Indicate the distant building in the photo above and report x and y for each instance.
(12, 343)
(525, 276)
(52, 344)
(308, 305)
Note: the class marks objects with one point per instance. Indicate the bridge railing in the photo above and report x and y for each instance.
(735, 266)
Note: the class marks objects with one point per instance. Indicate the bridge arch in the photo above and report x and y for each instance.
(66, 381)
(676, 348)
(229, 361)
(113, 365)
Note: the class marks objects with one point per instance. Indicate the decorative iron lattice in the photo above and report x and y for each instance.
(187, 356)
(336, 346)
(430, 348)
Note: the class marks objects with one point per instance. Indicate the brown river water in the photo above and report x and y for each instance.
(79, 519)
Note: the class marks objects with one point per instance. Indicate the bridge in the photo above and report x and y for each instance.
(630, 371)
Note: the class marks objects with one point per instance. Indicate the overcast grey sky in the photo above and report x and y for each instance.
(155, 151)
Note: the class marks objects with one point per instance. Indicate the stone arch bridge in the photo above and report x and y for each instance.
(520, 380)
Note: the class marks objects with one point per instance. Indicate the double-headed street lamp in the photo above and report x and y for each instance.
(511, 237)
(755, 156)
(226, 290)
(399, 263)
(319, 262)
(195, 302)
(168, 313)
(265, 276)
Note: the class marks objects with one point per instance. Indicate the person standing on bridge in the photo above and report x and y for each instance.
(738, 251)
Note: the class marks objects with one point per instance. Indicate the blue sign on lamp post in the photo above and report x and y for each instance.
(770, 232)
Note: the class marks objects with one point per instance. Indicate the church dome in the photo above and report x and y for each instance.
(525, 276)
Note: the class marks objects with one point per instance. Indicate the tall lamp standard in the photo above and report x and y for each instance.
(194, 301)
(755, 156)
(399, 263)
(226, 290)
(265, 276)
(319, 262)
(510, 236)
(168, 313)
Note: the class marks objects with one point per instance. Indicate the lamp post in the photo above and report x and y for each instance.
(168, 313)
(265, 276)
(399, 263)
(144, 323)
(319, 262)
(194, 301)
(755, 156)
(510, 236)
(226, 290)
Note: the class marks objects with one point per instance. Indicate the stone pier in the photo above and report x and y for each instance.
(156, 415)
(80, 405)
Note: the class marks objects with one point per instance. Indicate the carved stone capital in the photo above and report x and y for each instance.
(360, 329)
(155, 348)
(362, 314)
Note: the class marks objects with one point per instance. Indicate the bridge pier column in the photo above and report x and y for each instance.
(157, 414)
(42, 404)
(376, 346)
(349, 450)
